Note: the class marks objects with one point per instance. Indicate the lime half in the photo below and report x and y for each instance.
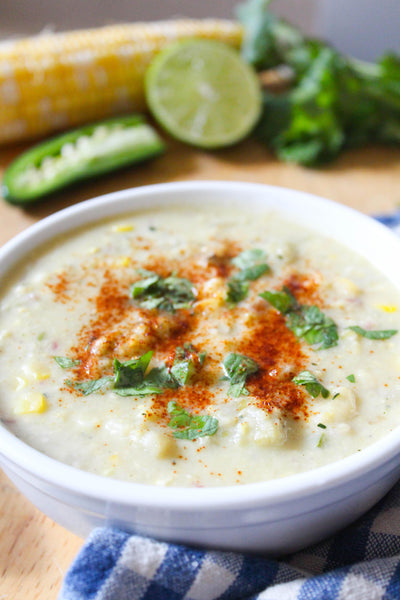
(203, 93)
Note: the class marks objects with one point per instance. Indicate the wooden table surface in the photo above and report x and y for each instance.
(34, 551)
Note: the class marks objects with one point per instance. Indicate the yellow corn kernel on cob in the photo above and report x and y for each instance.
(55, 81)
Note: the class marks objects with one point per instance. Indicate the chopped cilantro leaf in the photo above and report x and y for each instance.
(374, 334)
(131, 373)
(161, 378)
(169, 294)
(187, 362)
(249, 258)
(316, 328)
(307, 322)
(146, 388)
(90, 386)
(237, 368)
(237, 290)
(321, 425)
(139, 288)
(252, 266)
(66, 363)
(351, 378)
(252, 273)
(190, 427)
(311, 383)
(283, 301)
(130, 377)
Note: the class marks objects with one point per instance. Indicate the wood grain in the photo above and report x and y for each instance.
(34, 551)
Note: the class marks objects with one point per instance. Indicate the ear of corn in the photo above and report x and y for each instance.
(55, 81)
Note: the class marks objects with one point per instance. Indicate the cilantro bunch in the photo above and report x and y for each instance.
(333, 101)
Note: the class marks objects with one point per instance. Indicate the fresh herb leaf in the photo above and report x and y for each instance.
(283, 301)
(90, 386)
(139, 288)
(267, 38)
(351, 378)
(144, 389)
(128, 380)
(374, 334)
(130, 374)
(332, 101)
(249, 258)
(307, 322)
(161, 378)
(252, 266)
(335, 395)
(130, 377)
(316, 328)
(238, 368)
(321, 425)
(66, 363)
(183, 371)
(237, 290)
(253, 273)
(311, 383)
(169, 294)
(187, 361)
(190, 427)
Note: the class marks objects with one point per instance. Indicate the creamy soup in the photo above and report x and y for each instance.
(198, 348)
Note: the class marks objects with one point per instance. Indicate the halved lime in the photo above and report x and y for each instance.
(203, 93)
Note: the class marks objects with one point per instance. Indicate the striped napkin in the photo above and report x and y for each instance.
(362, 562)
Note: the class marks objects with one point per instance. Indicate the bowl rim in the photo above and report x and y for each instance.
(275, 491)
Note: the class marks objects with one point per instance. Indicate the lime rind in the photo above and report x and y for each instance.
(203, 93)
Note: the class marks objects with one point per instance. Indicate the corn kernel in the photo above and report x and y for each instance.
(31, 403)
(121, 228)
(123, 261)
(387, 308)
(41, 375)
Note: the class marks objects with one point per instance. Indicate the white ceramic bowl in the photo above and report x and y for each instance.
(277, 516)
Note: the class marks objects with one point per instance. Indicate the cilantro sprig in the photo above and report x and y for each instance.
(307, 322)
(311, 383)
(133, 377)
(156, 292)
(187, 426)
(374, 334)
(252, 266)
(238, 368)
(331, 101)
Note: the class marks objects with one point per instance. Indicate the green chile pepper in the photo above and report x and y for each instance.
(79, 154)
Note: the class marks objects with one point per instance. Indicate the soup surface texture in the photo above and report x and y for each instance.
(196, 347)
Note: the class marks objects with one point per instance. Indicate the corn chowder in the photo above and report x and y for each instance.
(179, 347)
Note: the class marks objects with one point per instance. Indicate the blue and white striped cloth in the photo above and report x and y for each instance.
(360, 563)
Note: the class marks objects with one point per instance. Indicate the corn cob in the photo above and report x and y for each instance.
(56, 81)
